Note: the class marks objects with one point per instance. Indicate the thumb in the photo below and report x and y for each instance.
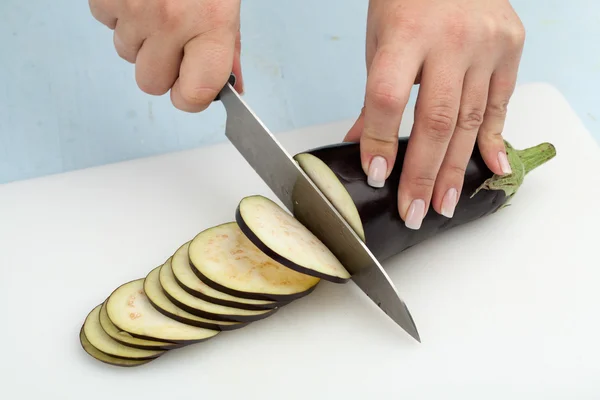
(355, 131)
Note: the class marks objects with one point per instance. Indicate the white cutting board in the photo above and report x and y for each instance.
(508, 307)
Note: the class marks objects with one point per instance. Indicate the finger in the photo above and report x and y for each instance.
(435, 119)
(450, 179)
(157, 64)
(205, 69)
(355, 131)
(237, 65)
(127, 40)
(389, 82)
(104, 11)
(489, 139)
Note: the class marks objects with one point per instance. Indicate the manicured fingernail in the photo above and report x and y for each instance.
(449, 203)
(377, 171)
(503, 160)
(415, 215)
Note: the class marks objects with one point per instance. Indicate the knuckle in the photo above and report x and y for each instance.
(498, 109)
(439, 122)
(517, 35)
(404, 24)
(457, 170)
(470, 119)
(134, 8)
(383, 96)
(422, 182)
(170, 15)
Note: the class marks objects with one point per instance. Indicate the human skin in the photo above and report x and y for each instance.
(464, 54)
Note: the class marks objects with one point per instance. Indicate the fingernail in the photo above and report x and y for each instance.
(449, 203)
(377, 171)
(415, 215)
(503, 160)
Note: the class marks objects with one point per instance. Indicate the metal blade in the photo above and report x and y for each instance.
(306, 202)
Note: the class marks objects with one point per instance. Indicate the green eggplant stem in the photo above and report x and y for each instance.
(521, 162)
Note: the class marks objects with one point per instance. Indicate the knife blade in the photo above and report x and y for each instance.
(307, 203)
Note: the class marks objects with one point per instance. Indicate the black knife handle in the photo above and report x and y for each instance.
(231, 81)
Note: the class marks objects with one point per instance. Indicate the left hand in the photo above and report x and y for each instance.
(465, 55)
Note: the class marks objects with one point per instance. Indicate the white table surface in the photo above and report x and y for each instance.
(508, 307)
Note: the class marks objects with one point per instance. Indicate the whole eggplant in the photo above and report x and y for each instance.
(373, 212)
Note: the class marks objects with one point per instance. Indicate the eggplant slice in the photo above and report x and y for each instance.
(125, 338)
(105, 358)
(225, 259)
(104, 343)
(161, 302)
(282, 237)
(199, 307)
(187, 279)
(129, 310)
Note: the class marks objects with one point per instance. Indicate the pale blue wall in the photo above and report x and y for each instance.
(67, 101)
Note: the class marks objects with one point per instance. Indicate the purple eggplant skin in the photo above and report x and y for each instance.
(385, 233)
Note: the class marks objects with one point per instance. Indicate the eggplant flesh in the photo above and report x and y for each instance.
(104, 343)
(161, 303)
(130, 310)
(125, 338)
(373, 212)
(250, 273)
(199, 307)
(187, 279)
(286, 240)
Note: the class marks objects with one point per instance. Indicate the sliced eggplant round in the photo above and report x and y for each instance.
(105, 358)
(187, 279)
(161, 302)
(282, 237)
(125, 338)
(129, 310)
(224, 258)
(205, 309)
(100, 340)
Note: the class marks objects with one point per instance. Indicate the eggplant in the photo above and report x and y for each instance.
(161, 303)
(187, 279)
(283, 238)
(202, 308)
(373, 213)
(226, 260)
(129, 310)
(125, 338)
(105, 358)
(107, 345)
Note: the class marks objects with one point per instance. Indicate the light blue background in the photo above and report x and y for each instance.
(67, 101)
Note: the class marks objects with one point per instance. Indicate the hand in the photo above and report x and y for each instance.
(189, 47)
(465, 55)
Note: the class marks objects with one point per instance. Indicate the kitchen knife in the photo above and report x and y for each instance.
(306, 202)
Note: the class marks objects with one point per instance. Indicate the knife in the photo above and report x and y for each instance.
(306, 202)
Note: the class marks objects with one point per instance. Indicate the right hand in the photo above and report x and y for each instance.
(189, 47)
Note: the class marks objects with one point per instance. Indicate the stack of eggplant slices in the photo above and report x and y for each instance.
(225, 278)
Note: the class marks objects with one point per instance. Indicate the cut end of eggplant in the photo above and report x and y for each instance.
(189, 281)
(329, 184)
(105, 358)
(104, 343)
(283, 238)
(130, 310)
(225, 259)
